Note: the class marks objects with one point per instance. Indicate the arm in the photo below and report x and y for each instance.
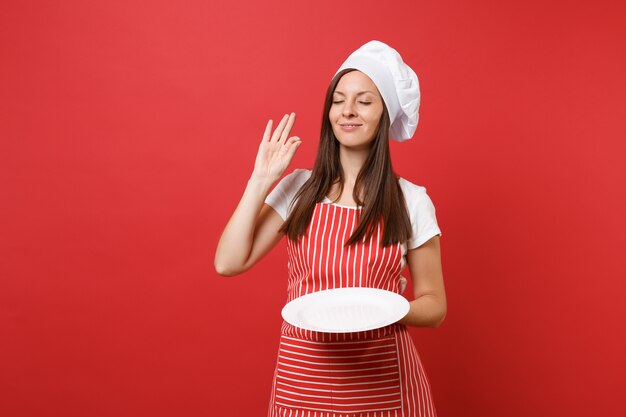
(251, 232)
(253, 228)
(429, 306)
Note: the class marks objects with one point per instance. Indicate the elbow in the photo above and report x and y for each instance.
(229, 271)
(224, 270)
(439, 322)
(222, 267)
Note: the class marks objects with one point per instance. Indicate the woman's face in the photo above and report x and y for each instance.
(356, 101)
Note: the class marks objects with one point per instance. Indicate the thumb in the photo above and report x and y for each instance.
(293, 147)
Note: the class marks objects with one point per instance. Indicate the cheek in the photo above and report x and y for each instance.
(373, 118)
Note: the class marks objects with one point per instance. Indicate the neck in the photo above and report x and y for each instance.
(351, 161)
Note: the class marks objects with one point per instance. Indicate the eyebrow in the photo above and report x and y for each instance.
(358, 94)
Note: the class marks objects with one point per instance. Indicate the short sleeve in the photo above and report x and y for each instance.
(422, 213)
(284, 192)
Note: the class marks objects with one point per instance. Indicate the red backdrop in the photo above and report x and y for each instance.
(128, 132)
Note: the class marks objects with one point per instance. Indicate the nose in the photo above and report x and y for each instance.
(348, 109)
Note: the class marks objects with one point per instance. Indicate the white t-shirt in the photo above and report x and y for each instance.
(421, 209)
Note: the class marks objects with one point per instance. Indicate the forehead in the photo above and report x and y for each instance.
(356, 82)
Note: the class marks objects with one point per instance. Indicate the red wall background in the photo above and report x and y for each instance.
(129, 129)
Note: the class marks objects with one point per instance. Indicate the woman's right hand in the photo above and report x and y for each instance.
(275, 152)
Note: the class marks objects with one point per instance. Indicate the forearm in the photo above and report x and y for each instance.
(235, 243)
(425, 311)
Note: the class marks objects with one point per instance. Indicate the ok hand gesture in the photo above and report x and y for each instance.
(275, 152)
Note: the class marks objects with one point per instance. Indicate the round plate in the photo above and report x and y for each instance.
(345, 310)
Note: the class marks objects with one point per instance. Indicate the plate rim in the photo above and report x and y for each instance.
(402, 309)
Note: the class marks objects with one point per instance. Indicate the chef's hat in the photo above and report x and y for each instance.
(396, 82)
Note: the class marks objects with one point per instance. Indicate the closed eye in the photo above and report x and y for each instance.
(362, 102)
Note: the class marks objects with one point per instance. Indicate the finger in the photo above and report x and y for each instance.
(291, 142)
(294, 144)
(290, 121)
(268, 130)
(279, 129)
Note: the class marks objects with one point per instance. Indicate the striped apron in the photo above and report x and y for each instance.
(371, 373)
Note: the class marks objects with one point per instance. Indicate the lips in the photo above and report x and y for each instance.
(348, 124)
(348, 127)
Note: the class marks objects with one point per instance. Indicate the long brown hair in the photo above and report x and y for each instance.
(376, 182)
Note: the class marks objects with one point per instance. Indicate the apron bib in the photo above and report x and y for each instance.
(342, 373)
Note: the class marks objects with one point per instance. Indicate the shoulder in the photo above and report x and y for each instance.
(292, 182)
(302, 173)
(298, 176)
(421, 211)
(284, 192)
(413, 192)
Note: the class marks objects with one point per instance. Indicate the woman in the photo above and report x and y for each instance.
(350, 222)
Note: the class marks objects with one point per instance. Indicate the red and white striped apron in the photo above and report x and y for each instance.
(371, 373)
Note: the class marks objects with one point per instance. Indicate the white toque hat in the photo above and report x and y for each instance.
(396, 82)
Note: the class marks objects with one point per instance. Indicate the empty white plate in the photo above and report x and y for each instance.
(344, 310)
